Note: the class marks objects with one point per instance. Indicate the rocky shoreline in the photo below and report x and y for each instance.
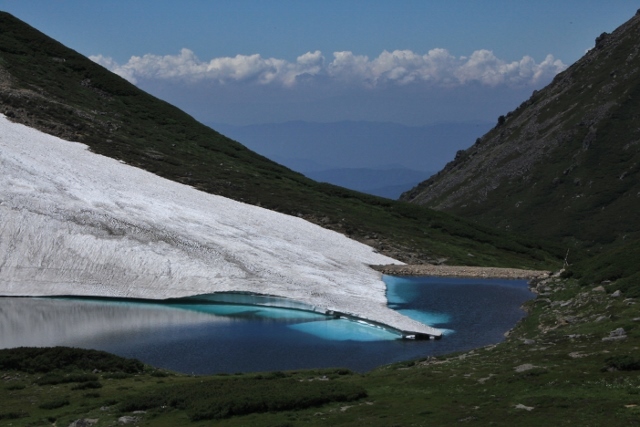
(461, 271)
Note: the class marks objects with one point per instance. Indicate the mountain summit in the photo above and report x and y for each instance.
(565, 164)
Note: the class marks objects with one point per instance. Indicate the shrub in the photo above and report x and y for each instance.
(13, 415)
(16, 386)
(32, 360)
(623, 363)
(87, 385)
(226, 397)
(56, 378)
(54, 404)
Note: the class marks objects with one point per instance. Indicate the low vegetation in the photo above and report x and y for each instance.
(573, 360)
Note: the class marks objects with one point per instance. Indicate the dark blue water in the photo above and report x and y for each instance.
(205, 338)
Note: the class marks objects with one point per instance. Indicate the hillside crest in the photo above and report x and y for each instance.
(563, 165)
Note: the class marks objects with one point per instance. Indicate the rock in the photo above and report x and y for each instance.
(526, 408)
(614, 338)
(485, 379)
(601, 318)
(616, 294)
(84, 422)
(599, 289)
(616, 335)
(528, 341)
(525, 367)
(127, 420)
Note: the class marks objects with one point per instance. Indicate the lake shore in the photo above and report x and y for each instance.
(460, 271)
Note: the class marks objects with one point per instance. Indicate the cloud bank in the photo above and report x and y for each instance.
(437, 68)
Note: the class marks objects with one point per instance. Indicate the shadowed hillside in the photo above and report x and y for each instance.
(566, 163)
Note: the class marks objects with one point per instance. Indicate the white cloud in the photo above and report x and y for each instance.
(401, 67)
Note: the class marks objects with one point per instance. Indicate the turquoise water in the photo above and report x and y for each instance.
(202, 336)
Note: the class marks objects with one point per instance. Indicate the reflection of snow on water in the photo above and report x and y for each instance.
(344, 330)
(49, 322)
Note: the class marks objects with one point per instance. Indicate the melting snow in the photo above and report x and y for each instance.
(76, 223)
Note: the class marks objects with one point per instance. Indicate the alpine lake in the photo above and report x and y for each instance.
(197, 336)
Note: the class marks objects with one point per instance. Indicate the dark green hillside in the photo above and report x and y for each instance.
(48, 86)
(617, 269)
(566, 163)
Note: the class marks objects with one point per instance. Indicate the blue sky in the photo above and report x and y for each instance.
(410, 62)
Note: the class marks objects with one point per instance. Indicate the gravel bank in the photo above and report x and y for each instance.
(460, 271)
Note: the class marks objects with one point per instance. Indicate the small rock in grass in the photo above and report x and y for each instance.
(617, 332)
(524, 367)
(84, 422)
(615, 335)
(577, 355)
(599, 289)
(127, 420)
(526, 408)
(528, 341)
(616, 294)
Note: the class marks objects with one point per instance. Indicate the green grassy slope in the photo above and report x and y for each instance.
(48, 86)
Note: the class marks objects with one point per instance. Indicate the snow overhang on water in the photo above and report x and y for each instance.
(76, 223)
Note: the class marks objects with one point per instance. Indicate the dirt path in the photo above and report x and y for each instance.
(460, 271)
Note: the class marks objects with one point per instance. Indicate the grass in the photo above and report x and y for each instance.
(557, 364)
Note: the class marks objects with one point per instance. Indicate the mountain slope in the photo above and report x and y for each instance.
(48, 86)
(566, 163)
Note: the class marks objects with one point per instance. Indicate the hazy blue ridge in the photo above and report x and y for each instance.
(350, 144)
(389, 183)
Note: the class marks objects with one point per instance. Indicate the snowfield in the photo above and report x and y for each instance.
(76, 223)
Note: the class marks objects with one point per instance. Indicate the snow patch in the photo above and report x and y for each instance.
(76, 223)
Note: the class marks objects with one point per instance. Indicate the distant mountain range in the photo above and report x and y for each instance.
(383, 159)
(389, 183)
(351, 144)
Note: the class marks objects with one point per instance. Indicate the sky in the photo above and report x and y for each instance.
(410, 62)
